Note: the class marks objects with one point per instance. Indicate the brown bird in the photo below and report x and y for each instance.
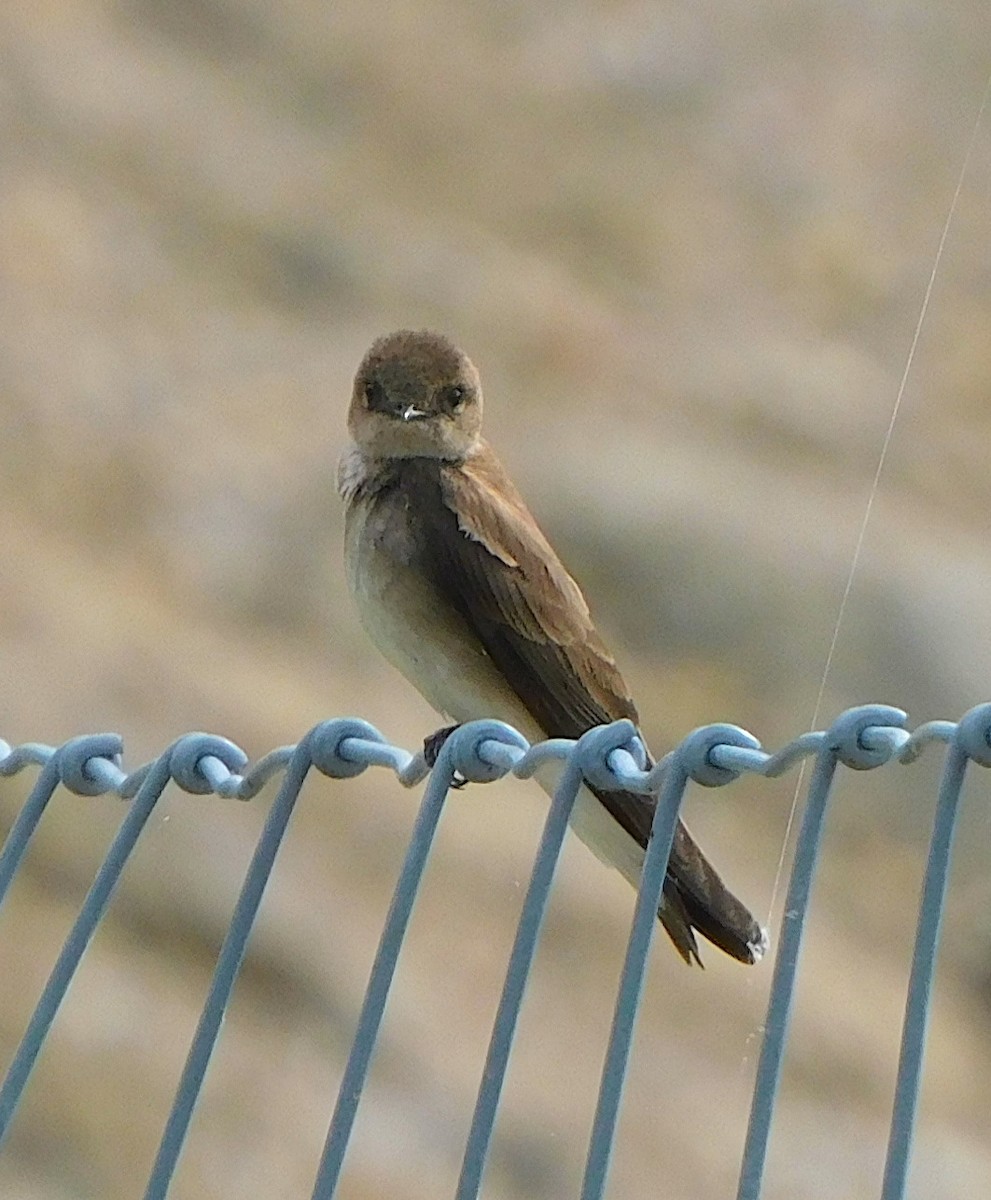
(460, 590)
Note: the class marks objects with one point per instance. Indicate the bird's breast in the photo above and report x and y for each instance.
(413, 625)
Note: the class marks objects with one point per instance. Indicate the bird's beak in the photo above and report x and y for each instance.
(412, 413)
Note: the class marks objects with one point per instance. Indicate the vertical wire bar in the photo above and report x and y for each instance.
(511, 1000)
(921, 979)
(92, 910)
(26, 822)
(225, 974)
(380, 981)
(783, 981)
(617, 1059)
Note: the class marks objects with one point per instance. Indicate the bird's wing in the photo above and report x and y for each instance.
(490, 560)
(504, 577)
(493, 564)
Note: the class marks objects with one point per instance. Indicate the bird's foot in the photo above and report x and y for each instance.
(432, 747)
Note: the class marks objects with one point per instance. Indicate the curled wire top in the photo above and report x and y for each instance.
(609, 756)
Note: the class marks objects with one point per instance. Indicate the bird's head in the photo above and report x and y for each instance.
(416, 395)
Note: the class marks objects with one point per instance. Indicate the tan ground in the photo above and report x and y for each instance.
(686, 246)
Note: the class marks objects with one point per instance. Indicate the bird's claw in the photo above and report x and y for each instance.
(432, 747)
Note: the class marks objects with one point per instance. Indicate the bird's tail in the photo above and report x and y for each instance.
(695, 898)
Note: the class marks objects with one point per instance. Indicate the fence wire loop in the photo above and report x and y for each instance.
(861, 737)
(343, 748)
(973, 734)
(200, 763)
(467, 750)
(594, 752)
(89, 766)
(703, 757)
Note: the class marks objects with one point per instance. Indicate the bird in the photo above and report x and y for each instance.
(460, 590)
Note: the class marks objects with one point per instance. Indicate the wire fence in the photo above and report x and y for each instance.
(609, 756)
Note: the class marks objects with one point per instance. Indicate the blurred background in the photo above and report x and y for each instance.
(686, 245)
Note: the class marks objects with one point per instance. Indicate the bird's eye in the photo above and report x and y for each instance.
(374, 395)
(453, 398)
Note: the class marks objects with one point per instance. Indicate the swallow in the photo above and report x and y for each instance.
(461, 591)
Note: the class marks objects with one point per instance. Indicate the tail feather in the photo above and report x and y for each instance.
(696, 897)
(678, 924)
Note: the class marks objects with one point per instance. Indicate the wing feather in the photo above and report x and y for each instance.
(489, 559)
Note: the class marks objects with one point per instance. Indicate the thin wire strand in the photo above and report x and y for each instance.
(885, 445)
